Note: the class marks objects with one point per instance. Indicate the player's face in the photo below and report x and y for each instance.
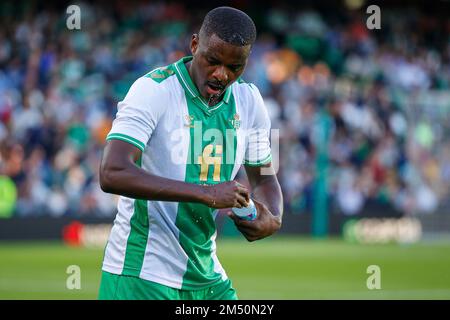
(216, 64)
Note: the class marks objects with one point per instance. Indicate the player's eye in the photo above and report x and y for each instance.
(212, 61)
(235, 68)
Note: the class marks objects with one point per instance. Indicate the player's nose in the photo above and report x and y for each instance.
(220, 73)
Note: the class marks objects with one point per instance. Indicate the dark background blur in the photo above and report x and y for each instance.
(382, 96)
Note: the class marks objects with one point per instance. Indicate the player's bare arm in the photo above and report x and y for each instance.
(120, 175)
(268, 199)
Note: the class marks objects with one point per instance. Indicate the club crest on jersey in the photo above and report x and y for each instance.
(236, 122)
(189, 121)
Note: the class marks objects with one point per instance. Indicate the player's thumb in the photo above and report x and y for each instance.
(258, 204)
(232, 216)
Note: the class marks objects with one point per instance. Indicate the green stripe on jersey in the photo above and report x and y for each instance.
(259, 163)
(137, 239)
(119, 136)
(195, 221)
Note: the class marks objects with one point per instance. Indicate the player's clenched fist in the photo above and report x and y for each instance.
(227, 195)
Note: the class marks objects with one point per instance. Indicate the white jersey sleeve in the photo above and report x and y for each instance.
(138, 113)
(258, 150)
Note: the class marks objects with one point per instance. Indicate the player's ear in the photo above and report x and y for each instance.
(194, 43)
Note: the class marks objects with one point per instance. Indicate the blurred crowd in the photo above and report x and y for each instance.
(369, 107)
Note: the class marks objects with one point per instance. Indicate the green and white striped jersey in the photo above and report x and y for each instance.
(181, 138)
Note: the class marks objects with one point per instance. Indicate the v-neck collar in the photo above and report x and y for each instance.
(188, 85)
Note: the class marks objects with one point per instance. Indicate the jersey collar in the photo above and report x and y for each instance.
(192, 91)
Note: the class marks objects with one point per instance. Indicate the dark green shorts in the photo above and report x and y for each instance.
(119, 287)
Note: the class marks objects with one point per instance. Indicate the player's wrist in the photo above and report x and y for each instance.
(207, 196)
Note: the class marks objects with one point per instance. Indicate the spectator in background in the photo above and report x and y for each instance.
(388, 98)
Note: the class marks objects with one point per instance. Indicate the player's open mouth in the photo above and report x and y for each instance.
(213, 89)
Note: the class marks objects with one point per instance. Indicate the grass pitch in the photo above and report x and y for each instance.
(276, 268)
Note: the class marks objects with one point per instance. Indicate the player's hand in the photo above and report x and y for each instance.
(227, 195)
(263, 226)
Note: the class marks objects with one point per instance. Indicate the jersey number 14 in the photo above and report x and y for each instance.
(207, 159)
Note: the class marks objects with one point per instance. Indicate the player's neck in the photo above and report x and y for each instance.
(213, 100)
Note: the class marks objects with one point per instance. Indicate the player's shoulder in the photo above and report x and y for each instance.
(155, 84)
(249, 98)
(150, 92)
(161, 74)
(247, 92)
(245, 89)
(244, 86)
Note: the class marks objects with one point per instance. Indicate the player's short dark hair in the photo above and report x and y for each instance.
(230, 25)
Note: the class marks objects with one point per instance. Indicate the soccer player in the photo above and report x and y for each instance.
(179, 138)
